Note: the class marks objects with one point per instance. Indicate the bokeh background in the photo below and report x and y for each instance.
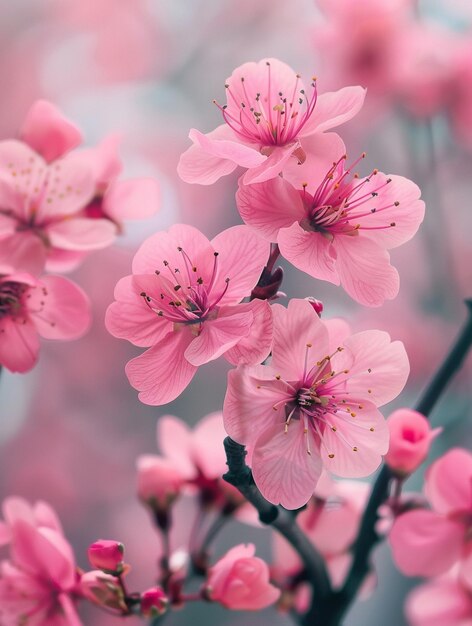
(70, 430)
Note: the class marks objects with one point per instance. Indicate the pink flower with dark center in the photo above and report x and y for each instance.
(240, 581)
(429, 542)
(184, 300)
(315, 405)
(51, 307)
(334, 225)
(268, 115)
(38, 583)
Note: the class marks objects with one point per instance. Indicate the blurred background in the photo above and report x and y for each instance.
(70, 430)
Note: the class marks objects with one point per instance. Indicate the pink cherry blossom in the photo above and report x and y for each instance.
(44, 201)
(103, 589)
(160, 481)
(240, 581)
(334, 225)
(268, 115)
(184, 300)
(39, 514)
(442, 602)
(315, 405)
(51, 307)
(429, 542)
(411, 437)
(39, 580)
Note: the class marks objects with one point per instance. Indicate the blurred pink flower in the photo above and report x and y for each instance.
(160, 481)
(428, 543)
(442, 602)
(183, 299)
(43, 201)
(240, 581)
(268, 115)
(411, 437)
(51, 307)
(103, 589)
(15, 509)
(315, 405)
(154, 602)
(39, 580)
(333, 225)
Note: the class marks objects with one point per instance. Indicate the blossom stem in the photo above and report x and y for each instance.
(200, 556)
(282, 520)
(340, 601)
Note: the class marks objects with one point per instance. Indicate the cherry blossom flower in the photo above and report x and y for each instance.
(268, 115)
(441, 602)
(42, 200)
(103, 589)
(334, 225)
(183, 299)
(429, 542)
(39, 514)
(38, 583)
(51, 307)
(240, 581)
(315, 405)
(411, 437)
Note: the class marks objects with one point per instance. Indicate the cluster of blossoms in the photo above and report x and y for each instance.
(58, 203)
(304, 394)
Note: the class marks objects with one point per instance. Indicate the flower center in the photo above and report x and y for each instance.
(185, 297)
(269, 116)
(11, 294)
(337, 204)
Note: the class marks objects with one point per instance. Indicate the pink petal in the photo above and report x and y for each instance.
(356, 448)
(15, 508)
(62, 311)
(207, 446)
(439, 603)
(448, 483)
(334, 108)
(375, 363)
(68, 189)
(321, 151)
(242, 257)
(24, 170)
(45, 553)
(255, 346)
(81, 234)
(249, 403)
(338, 331)
(272, 166)
(19, 345)
(282, 468)
(12, 202)
(220, 334)
(294, 328)
(175, 440)
(162, 372)
(71, 616)
(61, 261)
(129, 318)
(407, 215)
(309, 251)
(138, 198)
(364, 270)
(163, 246)
(269, 206)
(104, 160)
(48, 132)
(425, 543)
(23, 252)
(214, 155)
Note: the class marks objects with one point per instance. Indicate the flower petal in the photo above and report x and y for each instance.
(255, 346)
(272, 166)
(138, 198)
(19, 345)
(162, 372)
(334, 108)
(448, 483)
(175, 440)
(81, 234)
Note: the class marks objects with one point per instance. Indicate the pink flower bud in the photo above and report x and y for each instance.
(154, 602)
(106, 555)
(159, 481)
(103, 589)
(240, 581)
(410, 440)
(316, 304)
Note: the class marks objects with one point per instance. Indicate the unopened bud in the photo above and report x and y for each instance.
(154, 602)
(316, 304)
(104, 590)
(107, 555)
